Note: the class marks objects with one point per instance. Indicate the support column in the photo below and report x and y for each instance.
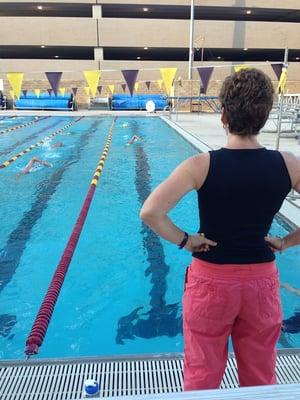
(97, 11)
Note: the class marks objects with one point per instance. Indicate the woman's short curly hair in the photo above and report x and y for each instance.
(247, 99)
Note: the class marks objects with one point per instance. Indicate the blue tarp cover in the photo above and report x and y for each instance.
(44, 101)
(137, 101)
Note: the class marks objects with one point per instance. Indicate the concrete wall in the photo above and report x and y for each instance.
(292, 4)
(143, 32)
(48, 31)
(175, 33)
(139, 33)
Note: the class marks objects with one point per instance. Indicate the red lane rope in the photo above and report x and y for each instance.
(40, 326)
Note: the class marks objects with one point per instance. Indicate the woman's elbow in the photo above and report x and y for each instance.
(147, 215)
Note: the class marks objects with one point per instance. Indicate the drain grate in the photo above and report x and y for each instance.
(63, 379)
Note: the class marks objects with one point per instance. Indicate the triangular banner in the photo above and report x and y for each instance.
(148, 83)
(123, 86)
(282, 81)
(37, 92)
(160, 82)
(111, 88)
(205, 74)
(239, 67)
(130, 76)
(25, 92)
(99, 89)
(168, 75)
(15, 79)
(277, 68)
(92, 78)
(54, 80)
(74, 90)
(136, 87)
(50, 91)
(87, 90)
(62, 91)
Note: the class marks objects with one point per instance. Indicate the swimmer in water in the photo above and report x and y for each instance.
(56, 144)
(28, 168)
(135, 138)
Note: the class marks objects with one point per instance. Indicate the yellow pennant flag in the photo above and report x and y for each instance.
(62, 91)
(168, 75)
(160, 82)
(12, 95)
(136, 86)
(282, 81)
(239, 67)
(37, 92)
(15, 79)
(87, 90)
(111, 88)
(92, 78)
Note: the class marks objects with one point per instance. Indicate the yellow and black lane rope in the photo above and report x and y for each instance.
(44, 140)
(15, 128)
(99, 169)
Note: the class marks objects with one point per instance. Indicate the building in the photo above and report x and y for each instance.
(76, 35)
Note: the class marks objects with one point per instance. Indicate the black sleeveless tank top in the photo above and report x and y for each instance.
(243, 191)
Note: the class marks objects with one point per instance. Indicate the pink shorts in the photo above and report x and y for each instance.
(230, 299)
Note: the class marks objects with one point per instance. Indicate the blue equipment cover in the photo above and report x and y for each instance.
(137, 101)
(44, 101)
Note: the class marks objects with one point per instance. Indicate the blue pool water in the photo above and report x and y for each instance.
(122, 294)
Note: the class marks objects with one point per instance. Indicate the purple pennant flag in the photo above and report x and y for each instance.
(277, 68)
(148, 83)
(99, 89)
(24, 92)
(49, 91)
(74, 90)
(54, 80)
(130, 76)
(205, 74)
(123, 86)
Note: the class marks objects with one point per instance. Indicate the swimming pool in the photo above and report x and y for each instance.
(122, 294)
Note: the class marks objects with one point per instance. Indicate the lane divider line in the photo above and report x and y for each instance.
(33, 146)
(15, 128)
(41, 323)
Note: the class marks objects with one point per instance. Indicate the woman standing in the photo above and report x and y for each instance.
(231, 286)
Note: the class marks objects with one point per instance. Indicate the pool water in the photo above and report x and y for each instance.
(122, 293)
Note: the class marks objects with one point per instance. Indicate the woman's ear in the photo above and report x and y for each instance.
(223, 118)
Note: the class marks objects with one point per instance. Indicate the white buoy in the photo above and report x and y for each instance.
(150, 106)
(91, 388)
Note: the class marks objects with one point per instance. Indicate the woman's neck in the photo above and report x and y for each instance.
(242, 142)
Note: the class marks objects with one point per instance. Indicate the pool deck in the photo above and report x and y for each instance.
(156, 376)
(208, 128)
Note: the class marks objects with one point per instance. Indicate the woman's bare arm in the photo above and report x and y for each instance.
(188, 176)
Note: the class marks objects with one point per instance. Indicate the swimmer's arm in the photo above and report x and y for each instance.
(42, 162)
(290, 288)
(185, 178)
(28, 167)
